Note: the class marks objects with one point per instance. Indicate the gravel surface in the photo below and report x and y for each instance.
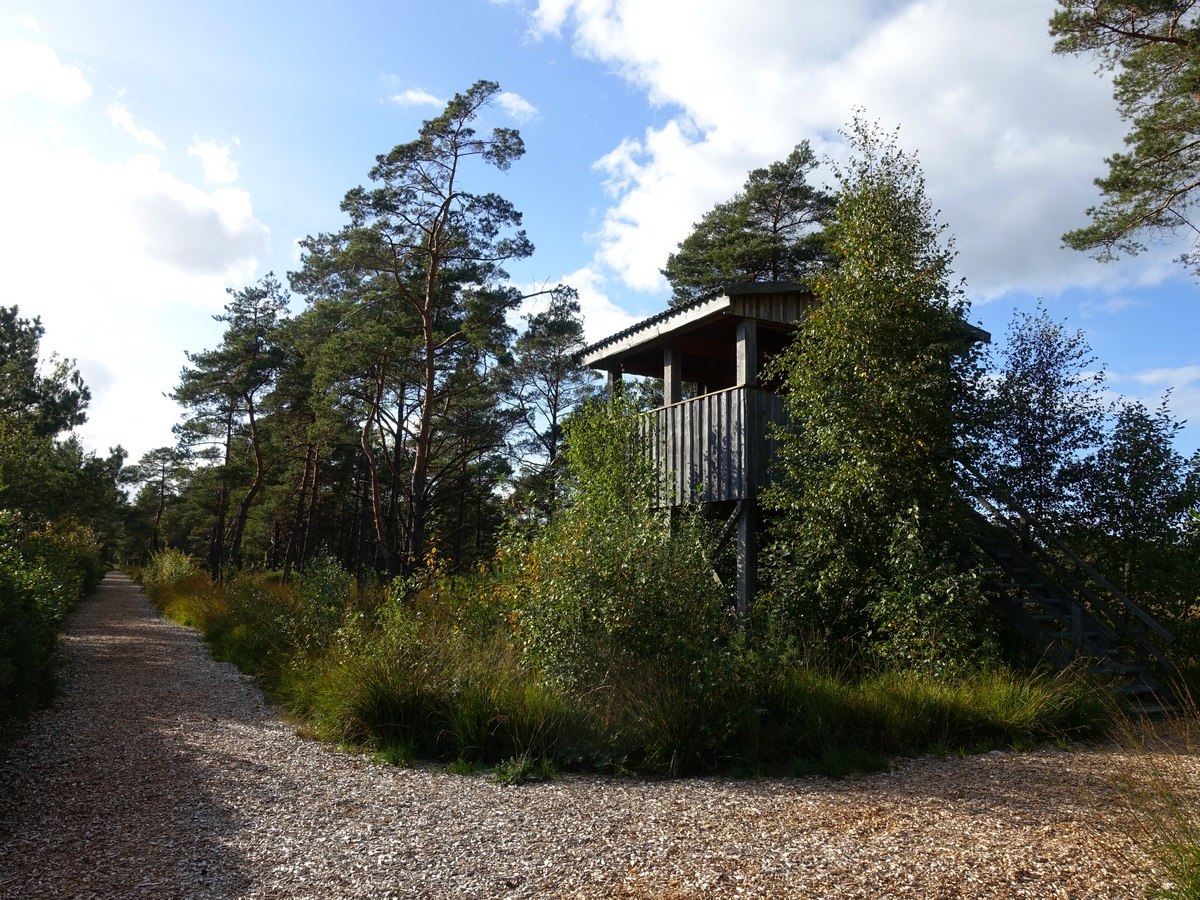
(160, 773)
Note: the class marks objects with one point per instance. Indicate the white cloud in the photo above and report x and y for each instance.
(1150, 385)
(35, 70)
(1176, 376)
(125, 263)
(123, 119)
(30, 22)
(190, 229)
(516, 106)
(1009, 135)
(1106, 306)
(219, 168)
(416, 97)
(601, 317)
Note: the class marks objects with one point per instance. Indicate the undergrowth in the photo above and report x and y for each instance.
(439, 672)
(1160, 786)
(43, 572)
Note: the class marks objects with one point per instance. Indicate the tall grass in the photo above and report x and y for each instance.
(441, 675)
(1160, 785)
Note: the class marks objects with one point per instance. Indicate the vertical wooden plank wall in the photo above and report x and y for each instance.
(714, 447)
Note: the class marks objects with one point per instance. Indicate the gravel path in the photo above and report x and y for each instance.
(160, 773)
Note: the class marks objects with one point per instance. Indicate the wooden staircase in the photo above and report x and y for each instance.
(1061, 605)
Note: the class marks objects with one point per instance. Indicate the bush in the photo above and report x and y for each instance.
(169, 570)
(42, 574)
(416, 683)
(324, 592)
(606, 649)
(611, 584)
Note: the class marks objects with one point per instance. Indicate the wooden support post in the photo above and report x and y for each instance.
(614, 383)
(672, 371)
(747, 352)
(747, 556)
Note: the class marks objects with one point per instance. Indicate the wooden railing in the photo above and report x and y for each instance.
(716, 446)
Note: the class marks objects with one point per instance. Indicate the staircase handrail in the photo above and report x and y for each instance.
(1095, 622)
(1140, 614)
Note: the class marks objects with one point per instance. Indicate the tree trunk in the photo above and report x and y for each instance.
(295, 541)
(239, 525)
(418, 504)
(216, 553)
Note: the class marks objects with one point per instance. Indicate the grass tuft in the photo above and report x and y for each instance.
(1160, 786)
(523, 769)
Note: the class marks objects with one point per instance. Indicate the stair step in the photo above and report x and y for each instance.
(1136, 689)
(1023, 573)
(1046, 617)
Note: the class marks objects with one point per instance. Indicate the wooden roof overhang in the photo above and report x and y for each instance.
(704, 333)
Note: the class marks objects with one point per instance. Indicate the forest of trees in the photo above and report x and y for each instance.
(399, 414)
(397, 423)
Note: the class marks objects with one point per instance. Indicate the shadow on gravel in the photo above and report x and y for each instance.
(108, 793)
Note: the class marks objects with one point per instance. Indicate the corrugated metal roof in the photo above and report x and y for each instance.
(727, 289)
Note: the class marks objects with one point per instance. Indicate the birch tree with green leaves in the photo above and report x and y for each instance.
(866, 535)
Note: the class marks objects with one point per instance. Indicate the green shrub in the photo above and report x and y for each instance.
(611, 583)
(323, 593)
(43, 572)
(169, 570)
(413, 681)
(523, 769)
(649, 682)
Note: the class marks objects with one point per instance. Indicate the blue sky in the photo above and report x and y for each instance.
(154, 154)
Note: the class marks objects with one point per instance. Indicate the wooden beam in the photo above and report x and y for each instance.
(672, 374)
(747, 556)
(614, 383)
(747, 352)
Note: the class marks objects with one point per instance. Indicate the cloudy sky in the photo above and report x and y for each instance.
(153, 155)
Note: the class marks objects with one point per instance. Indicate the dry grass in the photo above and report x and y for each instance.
(1160, 787)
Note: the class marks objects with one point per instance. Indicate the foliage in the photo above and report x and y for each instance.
(1139, 497)
(323, 593)
(523, 769)
(865, 537)
(44, 472)
(1149, 191)
(42, 573)
(925, 612)
(47, 395)
(167, 569)
(73, 552)
(60, 511)
(610, 583)
(545, 382)
(162, 472)
(437, 675)
(1044, 410)
(410, 300)
(223, 391)
(1139, 488)
(768, 231)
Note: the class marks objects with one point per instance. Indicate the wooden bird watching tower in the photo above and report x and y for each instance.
(715, 446)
